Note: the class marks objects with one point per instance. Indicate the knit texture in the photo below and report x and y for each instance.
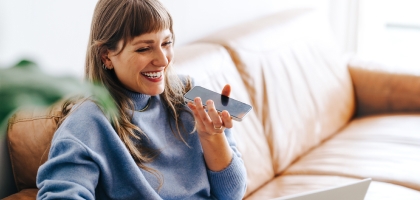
(87, 160)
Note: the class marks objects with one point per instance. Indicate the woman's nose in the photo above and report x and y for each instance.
(160, 58)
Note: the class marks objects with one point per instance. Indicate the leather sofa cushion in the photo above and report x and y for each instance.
(212, 68)
(29, 135)
(379, 90)
(295, 184)
(297, 79)
(26, 194)
(383, 147)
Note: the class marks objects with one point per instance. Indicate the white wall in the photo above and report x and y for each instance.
(52, 33)
(392, 34)
(55, 33)
(344, 19)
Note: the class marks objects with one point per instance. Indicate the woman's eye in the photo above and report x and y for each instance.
(167, 43)
(142, 50)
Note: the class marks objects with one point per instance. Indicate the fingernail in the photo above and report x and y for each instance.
(225, 114)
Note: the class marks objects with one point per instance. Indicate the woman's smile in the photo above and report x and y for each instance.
(153, 76)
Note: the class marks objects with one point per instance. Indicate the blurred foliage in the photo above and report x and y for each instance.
(26, 85)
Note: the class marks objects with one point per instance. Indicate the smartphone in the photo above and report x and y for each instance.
(237, 110)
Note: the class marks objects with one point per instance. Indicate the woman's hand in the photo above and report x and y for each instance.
(210, 123)
(210, 127)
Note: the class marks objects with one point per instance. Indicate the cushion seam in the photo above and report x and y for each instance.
(33, 118)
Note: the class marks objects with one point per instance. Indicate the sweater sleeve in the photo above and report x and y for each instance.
(230, 183)
(69, 172)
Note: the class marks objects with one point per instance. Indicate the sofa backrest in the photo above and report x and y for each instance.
(211, 67)
(29, 135)
(298, 82)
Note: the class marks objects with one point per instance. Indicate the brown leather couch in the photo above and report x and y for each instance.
(320, 119)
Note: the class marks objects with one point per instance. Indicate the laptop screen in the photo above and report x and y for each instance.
(350, 191)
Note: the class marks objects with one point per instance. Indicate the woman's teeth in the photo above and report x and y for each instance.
(153, 74)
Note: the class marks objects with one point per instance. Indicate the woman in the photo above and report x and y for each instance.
(155, 147)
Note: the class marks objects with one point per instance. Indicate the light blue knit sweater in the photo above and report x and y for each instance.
(87, 160)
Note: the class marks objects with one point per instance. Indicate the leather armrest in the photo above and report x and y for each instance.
(29, 135)
(379, 90)
(27, 194)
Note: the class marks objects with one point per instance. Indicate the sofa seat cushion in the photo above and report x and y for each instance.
(383, 147)
(295, 184)
(211, 67)
(26, 194)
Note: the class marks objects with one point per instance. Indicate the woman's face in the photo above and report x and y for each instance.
(141, 64)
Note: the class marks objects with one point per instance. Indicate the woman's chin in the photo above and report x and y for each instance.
(155, 92)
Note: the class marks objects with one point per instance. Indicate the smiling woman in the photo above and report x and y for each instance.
(156, 146)
(140, 65)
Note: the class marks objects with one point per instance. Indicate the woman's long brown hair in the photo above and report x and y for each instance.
(122, 20)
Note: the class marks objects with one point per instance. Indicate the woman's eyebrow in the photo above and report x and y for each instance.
(150, 41)
(144, 41)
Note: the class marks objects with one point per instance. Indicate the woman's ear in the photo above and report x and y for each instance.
(105, 59)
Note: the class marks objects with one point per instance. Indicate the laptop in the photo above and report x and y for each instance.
(351, 191)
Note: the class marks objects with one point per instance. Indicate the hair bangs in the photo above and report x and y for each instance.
(146, 17)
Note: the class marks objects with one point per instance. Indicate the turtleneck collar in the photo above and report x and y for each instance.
(140, 100)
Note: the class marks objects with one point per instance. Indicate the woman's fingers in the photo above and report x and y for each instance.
(210, 121)
(227, 120)
(226, 90)
(206, 121)
(214, 115)
(203, 116)
(198, 122)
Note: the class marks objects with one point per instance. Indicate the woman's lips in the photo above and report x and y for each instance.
(153, 76)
